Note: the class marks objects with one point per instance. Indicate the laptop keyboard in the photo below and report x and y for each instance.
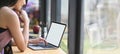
(44, 46)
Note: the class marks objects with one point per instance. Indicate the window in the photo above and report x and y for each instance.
(57, 10)
(32, 9)
(48, 12)
(64, 19)
(101, 24)
(75, 27)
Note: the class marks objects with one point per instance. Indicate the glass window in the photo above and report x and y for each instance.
(32, 8)
(64, 19)
(102, 29)
(48, 13)
(33, 11)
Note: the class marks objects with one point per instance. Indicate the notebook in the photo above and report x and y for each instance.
(54, 37)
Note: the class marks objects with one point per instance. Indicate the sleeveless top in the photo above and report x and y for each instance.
(7, 48)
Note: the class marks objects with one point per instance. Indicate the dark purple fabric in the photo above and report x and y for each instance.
(5, 37)
(2, 52)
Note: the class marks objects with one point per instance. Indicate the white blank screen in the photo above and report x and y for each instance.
(55, 34)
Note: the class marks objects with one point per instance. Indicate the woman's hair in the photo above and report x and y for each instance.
(7, 2)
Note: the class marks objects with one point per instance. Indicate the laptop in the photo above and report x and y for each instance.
(54, 37)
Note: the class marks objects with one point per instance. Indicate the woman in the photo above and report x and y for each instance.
(9, 20)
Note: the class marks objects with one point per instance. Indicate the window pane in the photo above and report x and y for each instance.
(64, 19)
(32, 8)
(48, 13)
(102, 18)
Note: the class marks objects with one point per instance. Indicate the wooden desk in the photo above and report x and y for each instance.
(29, 51)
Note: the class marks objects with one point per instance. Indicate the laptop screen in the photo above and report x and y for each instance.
(55, 33)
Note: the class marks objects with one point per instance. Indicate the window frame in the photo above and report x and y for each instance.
(75, 22)
(56, 10)
(75, 27)
(42, 4)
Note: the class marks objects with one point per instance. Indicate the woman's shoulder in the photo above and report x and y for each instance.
(7, 14)
(7, 11)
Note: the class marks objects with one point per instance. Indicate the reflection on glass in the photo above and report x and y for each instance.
(64, 19)
(102, 18)
(32, 8)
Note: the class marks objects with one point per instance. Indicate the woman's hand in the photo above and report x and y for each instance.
(37, 41)
(24, 17)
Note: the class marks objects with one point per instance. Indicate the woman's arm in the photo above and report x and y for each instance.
(32, 41)
(25, 30)
(26, 21)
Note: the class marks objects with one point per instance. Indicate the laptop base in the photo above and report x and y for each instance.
(41, 46)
